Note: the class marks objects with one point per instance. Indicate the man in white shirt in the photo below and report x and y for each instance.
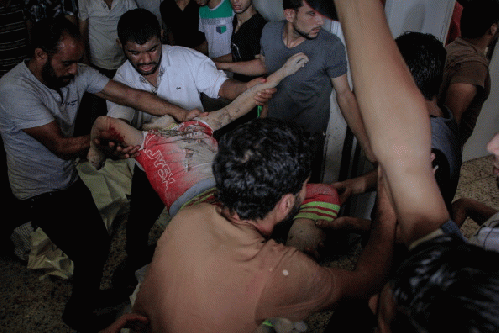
(178, 75)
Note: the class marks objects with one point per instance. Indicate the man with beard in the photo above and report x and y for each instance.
(179, 75)
(305, 97)
(216, 268)
(39, 101)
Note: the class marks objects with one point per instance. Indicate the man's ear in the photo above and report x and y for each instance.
(285, 205)
(493, 29)
(289, 15)
(40, 55)
(118, 41)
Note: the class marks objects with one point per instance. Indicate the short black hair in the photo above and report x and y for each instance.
(325, 7)
(478, 16)
(447, 285)
(47, 33)
(425, 56)
(258, 163)
(138, 26)
(292, 4)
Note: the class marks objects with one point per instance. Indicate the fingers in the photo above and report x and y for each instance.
(344, 191)
(264, 96)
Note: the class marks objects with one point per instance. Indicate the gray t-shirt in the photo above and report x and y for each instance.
(25, 103)
(304, 97)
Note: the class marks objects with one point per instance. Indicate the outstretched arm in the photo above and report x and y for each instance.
(246, 101)
(395, 117)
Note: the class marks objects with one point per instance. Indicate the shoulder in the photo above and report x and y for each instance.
(172, 55)
(17, 81)
(330, 40)
(259, 20)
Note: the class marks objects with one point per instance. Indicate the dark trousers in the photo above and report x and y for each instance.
(145, 208)
(73, 223)
(10, 221)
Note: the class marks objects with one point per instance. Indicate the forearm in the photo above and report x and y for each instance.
(231, 88)
(225, 58)
(479, 212)
(374, 263)
(350, 110)
(70, 148)
(254, 67)
(140, 100)
(395, 117)
(366, 182)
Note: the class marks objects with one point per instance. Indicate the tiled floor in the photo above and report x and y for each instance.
(28, 304)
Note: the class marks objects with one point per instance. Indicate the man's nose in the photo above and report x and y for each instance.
(145, 58)
(319, 19)
(73, 69)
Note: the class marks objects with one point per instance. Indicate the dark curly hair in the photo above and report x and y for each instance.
(425, 56)
(257, 164)
(447, 285)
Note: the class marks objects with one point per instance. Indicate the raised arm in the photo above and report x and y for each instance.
(395, 117)
(246, 101)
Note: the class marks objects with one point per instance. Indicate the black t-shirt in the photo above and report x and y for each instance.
(245, 43)
(184, 24)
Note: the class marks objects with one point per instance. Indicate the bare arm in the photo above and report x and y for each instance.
(253, 67)
(354, 186)
(142, 100)
(246, 101)
(113, 129)
(225, 58)
(83, 26)
(50, 135)
(458, 98)
(350, 110)
(464, 207)
(375, 261)
(395, 117)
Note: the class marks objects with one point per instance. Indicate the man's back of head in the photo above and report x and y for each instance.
(138, 26)
(257, 164)
(425, 56)
(447, 285)
(478, 16)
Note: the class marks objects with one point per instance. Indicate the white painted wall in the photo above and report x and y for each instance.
(427, 16)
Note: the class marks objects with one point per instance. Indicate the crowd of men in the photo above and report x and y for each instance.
(217, 266)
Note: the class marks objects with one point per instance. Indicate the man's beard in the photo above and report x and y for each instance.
(51, 79)
(152, 71)
(304, 34)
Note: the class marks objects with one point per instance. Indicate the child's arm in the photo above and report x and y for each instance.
(115, 130)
